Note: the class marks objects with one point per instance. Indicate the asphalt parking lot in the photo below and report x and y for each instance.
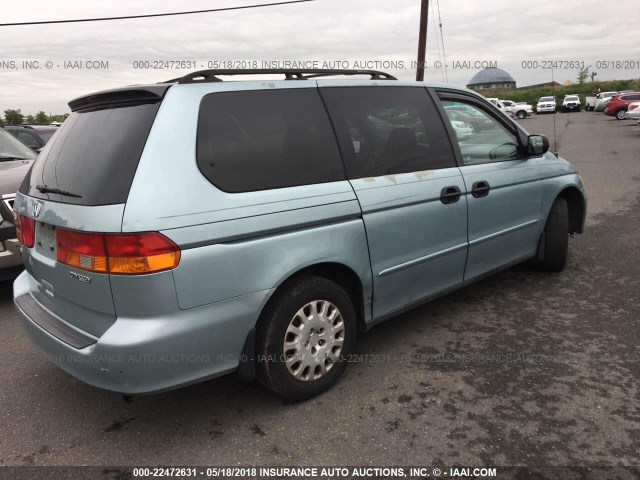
(524, 368)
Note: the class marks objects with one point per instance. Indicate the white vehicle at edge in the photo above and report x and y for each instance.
(633, 113)
(463, 129)
(520, 109)
(546, 104)
(500, 106)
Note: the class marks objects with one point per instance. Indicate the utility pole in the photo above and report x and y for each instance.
(422, 39)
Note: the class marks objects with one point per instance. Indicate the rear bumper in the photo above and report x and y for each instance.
(633, 114)
(145, 355)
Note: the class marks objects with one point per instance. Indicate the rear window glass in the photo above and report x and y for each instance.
(260, 140)
(95, 156)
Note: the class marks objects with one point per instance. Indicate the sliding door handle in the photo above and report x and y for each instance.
(480, 189)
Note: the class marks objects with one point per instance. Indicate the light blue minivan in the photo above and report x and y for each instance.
(180, 231)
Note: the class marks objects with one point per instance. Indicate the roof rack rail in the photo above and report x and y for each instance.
(203, 76)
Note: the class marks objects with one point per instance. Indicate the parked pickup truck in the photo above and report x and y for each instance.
(571, 103)
(520, 110)
(501, 106)
(599, 101)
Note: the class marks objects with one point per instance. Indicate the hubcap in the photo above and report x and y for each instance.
(314, 339)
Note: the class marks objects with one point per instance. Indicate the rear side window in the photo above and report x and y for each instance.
(94, 156)
(388, 130)
(265, 139)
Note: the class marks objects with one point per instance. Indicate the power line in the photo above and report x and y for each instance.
(444, 56)
(437, 41)
(170, 14)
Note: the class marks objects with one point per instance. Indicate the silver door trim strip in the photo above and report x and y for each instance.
(426, 258)
(503, 232)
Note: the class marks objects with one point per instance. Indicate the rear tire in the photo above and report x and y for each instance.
(304, 338)
(555, 239)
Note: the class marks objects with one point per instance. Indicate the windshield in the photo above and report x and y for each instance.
(12, 149)
(572, 98)
(547, 99)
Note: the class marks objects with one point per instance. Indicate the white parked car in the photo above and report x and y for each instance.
(463, 130)
(520, 109)
(546, 105)
(633, 112)
(571, 103)
(501, 106)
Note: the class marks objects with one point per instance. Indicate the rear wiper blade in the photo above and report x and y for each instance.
(45, 189)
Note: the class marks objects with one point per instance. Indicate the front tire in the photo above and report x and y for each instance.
(555, 239)
(620, 114)
(521, 114)
(304, 338)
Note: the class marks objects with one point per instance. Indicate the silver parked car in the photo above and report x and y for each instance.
(15, 161)
(180, 231)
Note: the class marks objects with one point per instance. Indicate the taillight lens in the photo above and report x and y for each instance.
(26, 229)
(123, 254)
(141, 253)
(634, 106)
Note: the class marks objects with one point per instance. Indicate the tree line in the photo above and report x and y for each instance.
(16, 117)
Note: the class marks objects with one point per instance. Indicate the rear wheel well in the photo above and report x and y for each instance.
(340, 274)
(575, 202)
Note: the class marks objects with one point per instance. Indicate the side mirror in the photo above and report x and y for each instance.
(537, 145)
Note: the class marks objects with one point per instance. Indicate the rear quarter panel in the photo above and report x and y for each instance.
(239, 243)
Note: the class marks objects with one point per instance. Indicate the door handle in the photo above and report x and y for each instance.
(450, 194)
(480, 189)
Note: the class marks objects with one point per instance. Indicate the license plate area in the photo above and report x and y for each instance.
(46, 239)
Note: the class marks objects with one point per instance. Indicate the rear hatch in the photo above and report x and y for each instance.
(80, 183)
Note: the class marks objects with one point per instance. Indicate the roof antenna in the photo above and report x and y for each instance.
(555, 101)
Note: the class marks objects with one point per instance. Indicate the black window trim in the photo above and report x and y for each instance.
(339, 127)
(443, 94)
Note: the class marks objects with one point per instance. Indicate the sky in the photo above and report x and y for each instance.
(516, 35)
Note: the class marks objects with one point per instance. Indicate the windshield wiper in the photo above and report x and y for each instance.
(45, 189)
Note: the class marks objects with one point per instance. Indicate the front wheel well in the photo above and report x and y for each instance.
(576, 204)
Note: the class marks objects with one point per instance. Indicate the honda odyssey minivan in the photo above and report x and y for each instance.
(180, 231)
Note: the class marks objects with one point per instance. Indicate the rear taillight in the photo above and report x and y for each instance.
(634, 106)
(122, 254)
(25, 229)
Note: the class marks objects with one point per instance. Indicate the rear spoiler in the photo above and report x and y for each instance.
(120, 97)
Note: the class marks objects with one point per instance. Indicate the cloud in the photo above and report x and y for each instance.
(505, 31)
